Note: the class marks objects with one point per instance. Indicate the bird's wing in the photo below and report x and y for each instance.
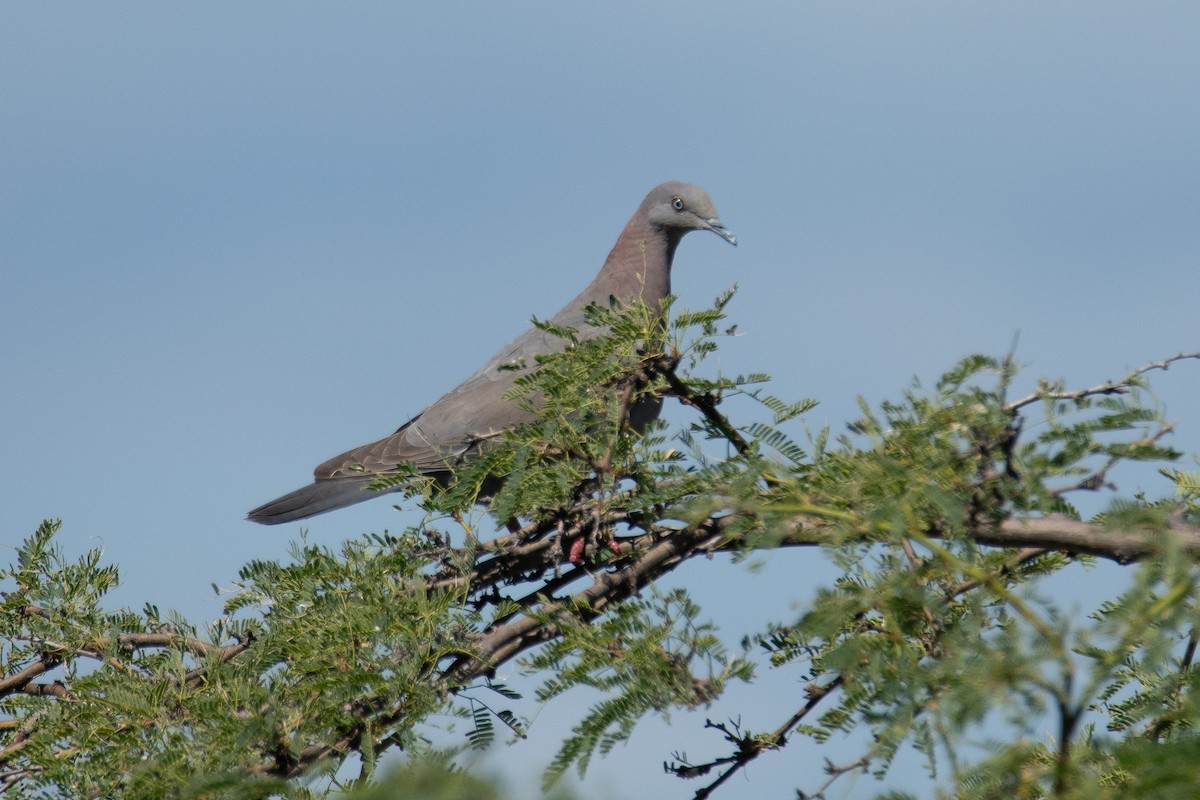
(472, 411)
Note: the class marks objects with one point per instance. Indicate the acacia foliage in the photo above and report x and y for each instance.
(548, 550)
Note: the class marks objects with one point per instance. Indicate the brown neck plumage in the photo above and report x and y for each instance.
(639, 265)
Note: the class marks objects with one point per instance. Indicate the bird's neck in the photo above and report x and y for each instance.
(639, 266)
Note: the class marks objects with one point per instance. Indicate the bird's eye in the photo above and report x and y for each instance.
(677, 203)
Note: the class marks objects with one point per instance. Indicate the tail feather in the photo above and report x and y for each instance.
(308, 501)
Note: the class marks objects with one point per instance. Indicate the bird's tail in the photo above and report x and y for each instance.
(316, 498)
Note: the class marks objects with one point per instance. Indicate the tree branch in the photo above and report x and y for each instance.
(1108, 387)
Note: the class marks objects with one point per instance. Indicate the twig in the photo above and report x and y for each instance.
(705, 403)
(1108, 387)
(751, 747)
(1098, 479)
(834, 771)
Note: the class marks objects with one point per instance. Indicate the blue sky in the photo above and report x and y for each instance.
(240, 238)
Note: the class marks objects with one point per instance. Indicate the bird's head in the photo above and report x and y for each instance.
(676, 208)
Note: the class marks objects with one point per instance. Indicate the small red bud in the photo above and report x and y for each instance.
(575, 554)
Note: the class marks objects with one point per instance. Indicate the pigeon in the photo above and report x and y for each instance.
(637, 269)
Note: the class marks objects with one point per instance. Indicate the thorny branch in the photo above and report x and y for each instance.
(105, 649)
(1098, 478)
(1122, 386)
(704, 402)
(750, 747)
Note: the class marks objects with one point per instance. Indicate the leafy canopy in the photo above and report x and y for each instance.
(945, 514)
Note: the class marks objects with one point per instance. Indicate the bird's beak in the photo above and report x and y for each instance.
(716, 226)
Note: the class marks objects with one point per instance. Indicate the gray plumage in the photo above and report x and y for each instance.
(637, 268)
